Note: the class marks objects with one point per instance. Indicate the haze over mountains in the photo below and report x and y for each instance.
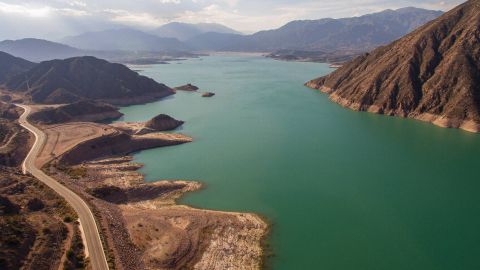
(359, 34)
(432, 74)
(186, 31)
(124, 39)
(38, 50)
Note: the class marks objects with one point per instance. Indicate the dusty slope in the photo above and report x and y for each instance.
(148, 230)
(143, 225)
(432, 74)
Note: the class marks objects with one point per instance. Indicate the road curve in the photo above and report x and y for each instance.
(98, 260)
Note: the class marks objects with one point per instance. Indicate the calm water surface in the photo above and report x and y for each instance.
(344, 190)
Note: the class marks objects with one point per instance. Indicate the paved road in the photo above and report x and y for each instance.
(94, 244)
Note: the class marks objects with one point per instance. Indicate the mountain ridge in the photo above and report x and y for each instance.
(361, 33)
(432, 74)
(86, 78)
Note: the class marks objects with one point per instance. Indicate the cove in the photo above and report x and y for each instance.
(343, 190)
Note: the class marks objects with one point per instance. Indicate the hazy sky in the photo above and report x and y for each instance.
(54, 19)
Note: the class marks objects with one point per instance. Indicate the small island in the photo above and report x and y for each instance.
(208, 94)
(187, 87)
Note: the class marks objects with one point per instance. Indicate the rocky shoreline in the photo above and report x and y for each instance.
(161, 233)
(435, 80)
(142, 225)
(437, 120)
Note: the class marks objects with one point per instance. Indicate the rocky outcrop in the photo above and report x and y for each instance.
(208, 94)
(82, 111)
(74, 79)
(163, 122)
(187, 87)
(432, 74)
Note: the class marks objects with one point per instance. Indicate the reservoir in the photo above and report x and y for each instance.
(343, 190)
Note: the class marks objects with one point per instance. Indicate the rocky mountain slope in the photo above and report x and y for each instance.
(11, 66)
(358, 33)
(74, 79)
(163, 122)
(432, 74)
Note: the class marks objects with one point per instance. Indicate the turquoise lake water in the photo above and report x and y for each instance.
(344, 190)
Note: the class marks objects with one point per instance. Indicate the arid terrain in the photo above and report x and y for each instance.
(431, 74)
(142, 225)
(38, 229)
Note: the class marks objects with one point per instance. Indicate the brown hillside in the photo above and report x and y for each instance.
(432, 74)
(78, 78)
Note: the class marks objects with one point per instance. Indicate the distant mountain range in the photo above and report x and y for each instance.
(124, 40)
(432, 74)
(81, 78)
(186, 31)
(326, 39)
(358, 33)
(38, 50)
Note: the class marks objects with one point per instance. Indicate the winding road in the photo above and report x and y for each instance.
(94, 246)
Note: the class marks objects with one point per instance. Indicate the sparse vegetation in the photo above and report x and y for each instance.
(68, 219)
(75, 254)
(74, 172)
(32, 232)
